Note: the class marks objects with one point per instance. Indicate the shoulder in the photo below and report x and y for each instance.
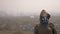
(36, 26)
(51, 25)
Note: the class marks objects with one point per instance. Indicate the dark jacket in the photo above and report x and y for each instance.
(37, 28)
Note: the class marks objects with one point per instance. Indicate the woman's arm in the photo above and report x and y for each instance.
(36, 29)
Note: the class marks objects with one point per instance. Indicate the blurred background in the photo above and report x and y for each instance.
(21, 16)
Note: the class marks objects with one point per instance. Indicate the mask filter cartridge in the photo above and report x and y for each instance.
(44, 20)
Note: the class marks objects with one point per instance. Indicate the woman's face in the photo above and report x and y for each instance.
(45, 14)
(44, 17)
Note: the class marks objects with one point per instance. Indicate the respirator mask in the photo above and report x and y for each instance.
(44, 20)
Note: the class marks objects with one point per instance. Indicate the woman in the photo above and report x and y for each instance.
(44, 27)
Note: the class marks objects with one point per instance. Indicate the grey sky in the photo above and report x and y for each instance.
(16, 7)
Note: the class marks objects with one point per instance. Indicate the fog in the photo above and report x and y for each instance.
(29, 7)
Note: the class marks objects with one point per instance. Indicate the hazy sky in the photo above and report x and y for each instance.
(16, 7)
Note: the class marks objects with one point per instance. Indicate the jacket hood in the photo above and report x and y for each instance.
(41, 15)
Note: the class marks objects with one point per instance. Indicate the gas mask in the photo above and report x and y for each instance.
(44, 20)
